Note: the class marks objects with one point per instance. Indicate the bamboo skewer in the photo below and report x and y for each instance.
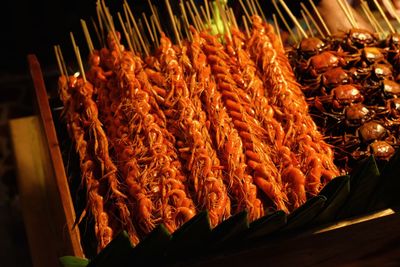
(284, 21)
(60, 68)
(320, 17)
(146, 51)
(312, 20)
(307, 22)
(296, 22)
(249, 8)
(260, 10)
(384, 16)
(186, 20)
(370, 20)
(349, 10)
(98, 12)
(253, 4)
(96, 30)
(196, 12)
(171, 15)
(78, 57)
(204, 14)
(154, 28)
(381, 30)
(246, 26)
(233, 18)
(109, 23)
(245, 10)
(156, 20)
(62, 61)
(87, 36)
(148, 26)
(192, 17)
(125, 32)
(277, 28)
(207, 11)
(345, 11)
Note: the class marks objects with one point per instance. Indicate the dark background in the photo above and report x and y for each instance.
(35, 26)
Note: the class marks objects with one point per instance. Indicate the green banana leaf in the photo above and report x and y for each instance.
(363, 183)
(190, 238)
(305, 214)
(71, 261)
(151, 251)
(336, 193)
(387, 193)
(266, 225)
(224, 234)
(116, 253)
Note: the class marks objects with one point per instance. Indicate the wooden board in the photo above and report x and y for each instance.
(375, 242)
(56, 181)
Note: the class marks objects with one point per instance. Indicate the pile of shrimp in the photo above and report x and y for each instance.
(214, 123)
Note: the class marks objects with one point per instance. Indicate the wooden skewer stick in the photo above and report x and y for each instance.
(78, 57)
(296, 22)
(381, 30)
(245, 10)
(384, 16)
(192, 17)
(148, 26)
(128, 39)
(277, 29)
(171, 15)
(203, 12)
(186, 20)
(63, 61)
(132, 37)
(233, 18)
(185, 28)
(196, 12)
(154, 27)
(96, 30)
(207, 11)
(87, 36)
(60, 68)
(253, 5)
(342, 6)
(100, 21)
(106, 12)
(284, 21)
(370, 20)
(128, 26)
(250, 7)
(260, 10)
(109, 24)
(179, 27)
(303, 6)
(145, 48)
(246, 26)
(307, 23)
(156, 21)
(350, 11)
(319, 17)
